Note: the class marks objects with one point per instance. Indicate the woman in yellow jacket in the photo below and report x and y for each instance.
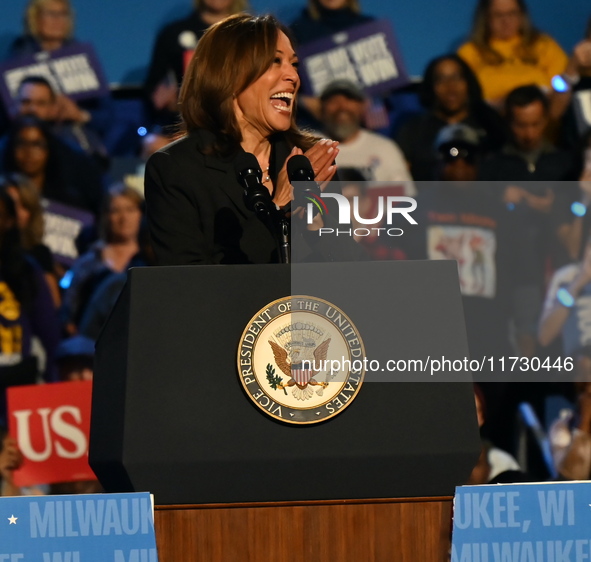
(506, 51)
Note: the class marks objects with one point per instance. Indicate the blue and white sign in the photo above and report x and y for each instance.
(366, 54)
(548, 522)
(62, 225)
(78, 528)
(74, 71)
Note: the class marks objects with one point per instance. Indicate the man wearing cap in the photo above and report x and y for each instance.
(74, 358)
(458, 150)
(459, 219)
(375, 156)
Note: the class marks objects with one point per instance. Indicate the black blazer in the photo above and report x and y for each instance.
(197, 215)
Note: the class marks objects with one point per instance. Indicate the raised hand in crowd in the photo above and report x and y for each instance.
(571, 234)
(68, 110)
(558, 308)
(579, 65)
(165, 96)
(543, 203)
(582, 54)
(584, 276)
(10, 459)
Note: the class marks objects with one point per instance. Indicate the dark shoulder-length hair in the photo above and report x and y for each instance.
(231, 55)
(32, 234)
(15, 269)
(427, 92)
(481, 34)
(488, 118)
(52, 171)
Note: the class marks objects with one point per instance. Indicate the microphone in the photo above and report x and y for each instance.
(258, 199)
(256, 196)
(300, 170)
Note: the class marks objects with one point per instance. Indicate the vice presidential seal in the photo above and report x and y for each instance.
(300, 360)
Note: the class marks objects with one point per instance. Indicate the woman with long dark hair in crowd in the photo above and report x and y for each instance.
(26, 307)
(450, 93)
(29, 152)
(29, 212)
(34, 152)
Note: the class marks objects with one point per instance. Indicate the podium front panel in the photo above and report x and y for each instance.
(170, 415)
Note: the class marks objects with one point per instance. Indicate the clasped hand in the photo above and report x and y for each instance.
(321, 156)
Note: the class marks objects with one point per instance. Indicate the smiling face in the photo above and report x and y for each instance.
(266, 105)
(342, 116)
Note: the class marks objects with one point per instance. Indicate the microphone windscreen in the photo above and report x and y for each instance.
(246, 161)
(299, 168)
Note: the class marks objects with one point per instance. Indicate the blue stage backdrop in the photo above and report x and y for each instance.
(123, 31)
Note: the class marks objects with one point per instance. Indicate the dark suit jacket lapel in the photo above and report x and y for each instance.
(280, 150)
(224, 166)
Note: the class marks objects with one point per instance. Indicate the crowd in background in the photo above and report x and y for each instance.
(495, 145)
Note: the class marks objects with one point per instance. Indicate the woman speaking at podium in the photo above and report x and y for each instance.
(238, 96)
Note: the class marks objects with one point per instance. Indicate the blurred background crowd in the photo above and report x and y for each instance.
(493, 139)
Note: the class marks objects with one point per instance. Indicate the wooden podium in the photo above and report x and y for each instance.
(377, 530)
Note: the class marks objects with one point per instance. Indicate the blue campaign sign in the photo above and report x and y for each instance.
(366, 54)
(62, 225)
(78, 528)
(74, 71)
(548, 522)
